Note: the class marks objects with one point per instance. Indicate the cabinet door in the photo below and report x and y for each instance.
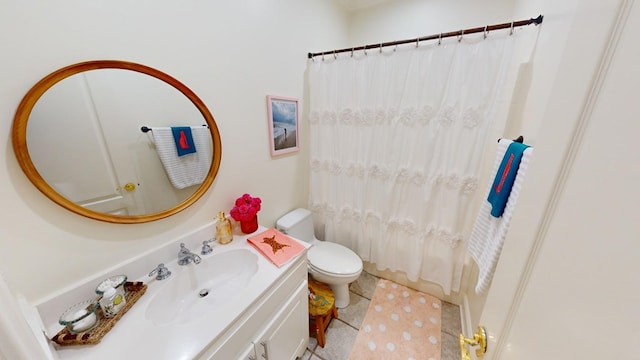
(287, 335)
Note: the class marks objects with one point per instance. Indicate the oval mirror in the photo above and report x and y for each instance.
(105, 138)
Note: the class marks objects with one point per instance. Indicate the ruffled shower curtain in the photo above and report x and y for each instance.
(397, 139)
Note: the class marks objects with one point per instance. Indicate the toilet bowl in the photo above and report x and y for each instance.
(327, 262)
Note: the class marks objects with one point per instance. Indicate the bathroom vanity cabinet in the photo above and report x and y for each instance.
(259, 312)
(275, 327)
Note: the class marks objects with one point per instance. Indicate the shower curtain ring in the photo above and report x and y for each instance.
(461, 35)
(380, 48)
(322, 56)
(511, 30)
(485, 31)
(335, 56)
(417, 42)
(351, 52)
(440, 39)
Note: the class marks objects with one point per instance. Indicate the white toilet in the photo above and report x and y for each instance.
(330, 263)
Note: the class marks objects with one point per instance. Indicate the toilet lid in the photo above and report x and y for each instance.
(333, 258)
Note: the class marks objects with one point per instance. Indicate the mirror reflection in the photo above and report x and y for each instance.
(84, 144)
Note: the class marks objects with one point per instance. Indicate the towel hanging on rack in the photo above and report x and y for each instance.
(184, 171)
(488, 234)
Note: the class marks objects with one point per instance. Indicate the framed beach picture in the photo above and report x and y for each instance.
(283, 124)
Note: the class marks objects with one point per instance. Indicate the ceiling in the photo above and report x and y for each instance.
(352, 5)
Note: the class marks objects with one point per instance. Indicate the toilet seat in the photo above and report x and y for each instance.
(333, 259)
(315, 271)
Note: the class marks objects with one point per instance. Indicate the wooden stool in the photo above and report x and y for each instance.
(321, 309)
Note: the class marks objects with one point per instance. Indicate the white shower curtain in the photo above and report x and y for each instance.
(397, 141)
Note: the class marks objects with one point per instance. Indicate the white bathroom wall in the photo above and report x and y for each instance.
(408, 19)
(574, 254)
(537, 75)
(232, 54)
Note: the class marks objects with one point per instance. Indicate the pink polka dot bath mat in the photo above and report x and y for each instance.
(401, 323)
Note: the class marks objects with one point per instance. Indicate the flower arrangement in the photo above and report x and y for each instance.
(246, 208)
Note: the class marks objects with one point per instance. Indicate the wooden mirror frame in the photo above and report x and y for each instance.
(19, 139)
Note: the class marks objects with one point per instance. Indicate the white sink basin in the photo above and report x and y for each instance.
(194, 290)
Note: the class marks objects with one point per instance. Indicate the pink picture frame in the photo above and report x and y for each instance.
(283, 124)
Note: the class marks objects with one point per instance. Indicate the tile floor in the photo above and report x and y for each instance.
(341, 333)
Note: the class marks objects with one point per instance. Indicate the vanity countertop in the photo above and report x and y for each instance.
(137, 337)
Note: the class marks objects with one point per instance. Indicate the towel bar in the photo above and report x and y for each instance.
(145, 129)
(519, 139)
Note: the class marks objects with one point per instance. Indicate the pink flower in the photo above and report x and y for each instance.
(246, 207)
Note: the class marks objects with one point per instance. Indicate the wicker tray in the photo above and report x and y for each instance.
(64, 337)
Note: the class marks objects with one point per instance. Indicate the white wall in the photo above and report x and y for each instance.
(600, 235)
(574, 252)
(407, 19)
(527, 117)
(232, 54)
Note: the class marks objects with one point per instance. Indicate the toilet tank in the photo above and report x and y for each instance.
(297, 223)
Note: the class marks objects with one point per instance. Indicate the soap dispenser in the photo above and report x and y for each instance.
(224, 232)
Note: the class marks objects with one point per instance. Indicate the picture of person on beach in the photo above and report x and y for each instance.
(284, 114)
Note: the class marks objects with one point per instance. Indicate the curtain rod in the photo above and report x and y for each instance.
(509, 25)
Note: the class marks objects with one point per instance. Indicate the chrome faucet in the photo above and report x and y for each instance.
(185, 256)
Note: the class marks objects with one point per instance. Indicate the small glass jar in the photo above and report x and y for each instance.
(112, 302)
(117, 282)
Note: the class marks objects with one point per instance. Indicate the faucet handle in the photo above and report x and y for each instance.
(161, 272)
(206, 248)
